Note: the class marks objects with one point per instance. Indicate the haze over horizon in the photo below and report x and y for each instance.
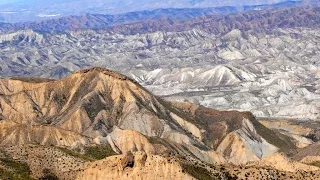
(32, 10)
(148, 3)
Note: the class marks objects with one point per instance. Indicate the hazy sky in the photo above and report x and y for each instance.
(6, 1)
(148, 2)
(22, 10)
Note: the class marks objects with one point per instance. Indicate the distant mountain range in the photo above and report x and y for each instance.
(35, 10)
(254, 50)
(173, 20)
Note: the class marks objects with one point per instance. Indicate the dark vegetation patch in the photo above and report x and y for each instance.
(76, 154)
(32, 79)
(14, 170)
(197, 172)
(48, 175)
(316, 163)
(99, 152)
(91, 153)
(283, 142)
(314, 137)
(61, 99)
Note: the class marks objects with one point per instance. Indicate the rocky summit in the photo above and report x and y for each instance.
(99, 124)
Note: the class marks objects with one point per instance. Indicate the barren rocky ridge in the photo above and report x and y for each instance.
(99, 106)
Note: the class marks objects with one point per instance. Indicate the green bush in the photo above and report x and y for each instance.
(99, 152)
(48, 175)
(92, 152)
(76, 154)
(316, 163)
(197, 172)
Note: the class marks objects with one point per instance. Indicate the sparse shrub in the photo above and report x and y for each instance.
(197, 172)
(76, 154)
(48, 175)
(91, 152)
(99, 151)
(316, 163)
(20, 171)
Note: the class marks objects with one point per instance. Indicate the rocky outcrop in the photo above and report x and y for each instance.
(127, 160)
(145, 167)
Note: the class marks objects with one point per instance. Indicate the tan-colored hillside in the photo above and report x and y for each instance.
(99, 106)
